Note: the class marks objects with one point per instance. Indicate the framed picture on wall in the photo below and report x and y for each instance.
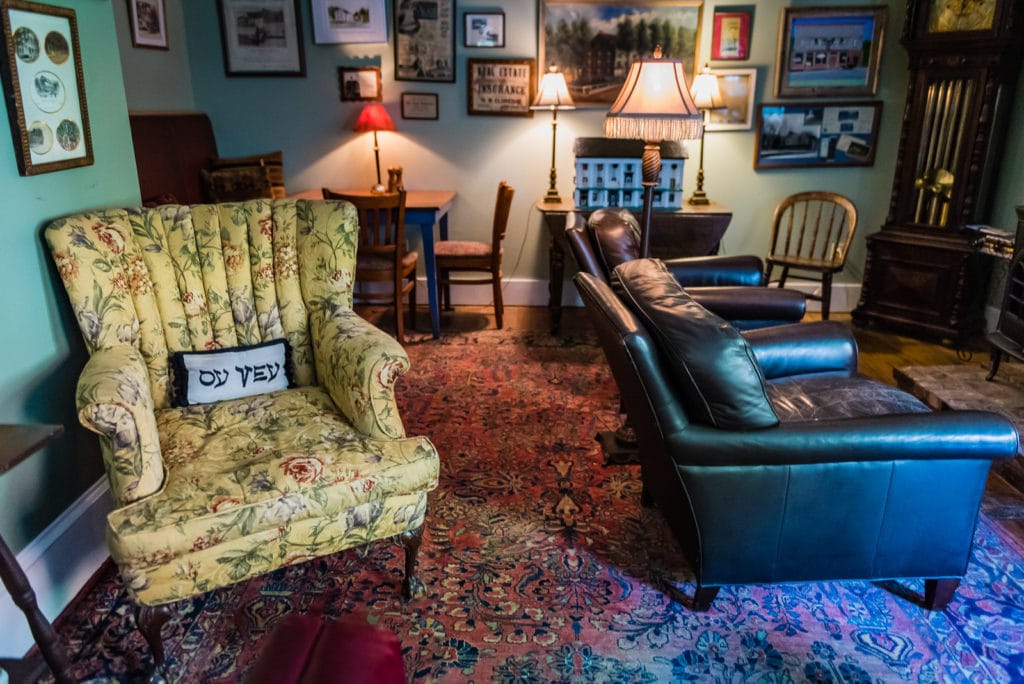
(817, 134)
(419, 106)
(425, 40)
(484, 29)
(736, 87)
(349, 21)
(360, 84)
(730, 35)
(42, 72)
(829, 51)
(602, 32)
(149, 24)
(261, 39)
(501, 87)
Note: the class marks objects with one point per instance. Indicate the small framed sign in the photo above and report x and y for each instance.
(501, 87)
(484, 29)
(730, 35)
(42, 74)
(419, 106)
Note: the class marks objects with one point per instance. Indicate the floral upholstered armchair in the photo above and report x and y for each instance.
(213, 493)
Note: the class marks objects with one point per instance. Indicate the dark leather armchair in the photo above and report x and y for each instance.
(731, 286)
(774, 461)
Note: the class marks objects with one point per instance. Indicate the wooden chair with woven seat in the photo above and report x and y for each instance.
(812, 231)
(382, 256)
(476, 257)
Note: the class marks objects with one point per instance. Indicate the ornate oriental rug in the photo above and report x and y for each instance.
(541, 565)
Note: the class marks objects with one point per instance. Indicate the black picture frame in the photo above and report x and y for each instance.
(45, 87)
(483, 30)
(424, 32)
(360, 84)
(262, 42)
(420, 106)
(816, 134)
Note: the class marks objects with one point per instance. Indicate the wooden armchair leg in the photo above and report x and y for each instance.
(938, 592)
(412, 587)
(150, 619)
(703, 597)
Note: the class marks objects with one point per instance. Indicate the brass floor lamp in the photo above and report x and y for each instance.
(706, 96)
(553, 94)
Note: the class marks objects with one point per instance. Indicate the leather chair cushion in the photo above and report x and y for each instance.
(832, 397)
(616, 235)
(713, 364)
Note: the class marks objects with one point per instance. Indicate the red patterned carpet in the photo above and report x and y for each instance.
(541, 566)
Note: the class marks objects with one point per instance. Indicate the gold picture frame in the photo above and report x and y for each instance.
(42, 74)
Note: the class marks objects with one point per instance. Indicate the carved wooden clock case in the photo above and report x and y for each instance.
(924, 273)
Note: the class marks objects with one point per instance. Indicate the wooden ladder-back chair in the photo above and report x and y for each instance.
(812, 231)
(478, 257)
(382, 256)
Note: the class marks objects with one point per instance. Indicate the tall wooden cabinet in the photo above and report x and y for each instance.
(924, 273)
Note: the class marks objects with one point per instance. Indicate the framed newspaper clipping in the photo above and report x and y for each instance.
(425, 40)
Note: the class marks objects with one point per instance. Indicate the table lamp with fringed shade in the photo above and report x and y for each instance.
(654, 104)
(707, 96)
(375, 118)
(553, 94)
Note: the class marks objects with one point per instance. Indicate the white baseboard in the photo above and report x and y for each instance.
(58, 563)
(531, 292)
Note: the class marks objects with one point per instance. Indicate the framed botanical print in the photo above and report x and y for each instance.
(149, 24)
(42, 73)
(587, 54)
(261, 39)
(425, 40)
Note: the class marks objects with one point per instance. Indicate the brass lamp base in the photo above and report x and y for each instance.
(378, 189)
(552, 197)
(699, 197)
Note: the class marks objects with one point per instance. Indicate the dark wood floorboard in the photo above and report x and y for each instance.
(880, 352)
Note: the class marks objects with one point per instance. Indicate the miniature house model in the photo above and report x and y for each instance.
(608, 174)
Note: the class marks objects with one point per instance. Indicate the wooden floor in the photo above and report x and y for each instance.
(880, 352)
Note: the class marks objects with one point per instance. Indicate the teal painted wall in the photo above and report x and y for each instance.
(155, 79)
(41, 346)
(304, 117)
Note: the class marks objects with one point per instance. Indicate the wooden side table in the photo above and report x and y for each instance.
(17, 443)
(694, 230)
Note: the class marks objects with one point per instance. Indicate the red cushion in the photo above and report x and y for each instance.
(303, 649)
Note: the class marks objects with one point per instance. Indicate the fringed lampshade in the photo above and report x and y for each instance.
(654, 104)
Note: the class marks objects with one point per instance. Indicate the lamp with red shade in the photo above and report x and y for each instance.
(375, 118)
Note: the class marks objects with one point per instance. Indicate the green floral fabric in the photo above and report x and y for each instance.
(212, 494)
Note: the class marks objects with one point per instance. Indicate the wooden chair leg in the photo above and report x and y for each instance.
(782, 278)
(768, 274)
(938, 592)
(996, 357)
(399, 314)
(499, 305)
(412, 587)
(150, 619)
(826, 295)
(446, 290)
(412, 304)
(703, 597)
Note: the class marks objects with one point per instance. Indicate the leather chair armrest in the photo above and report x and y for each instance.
(814, 348)
(115, 401)
(583, 251)
(358, 365)
(751, 307)
(721, 271)
(941, 435)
